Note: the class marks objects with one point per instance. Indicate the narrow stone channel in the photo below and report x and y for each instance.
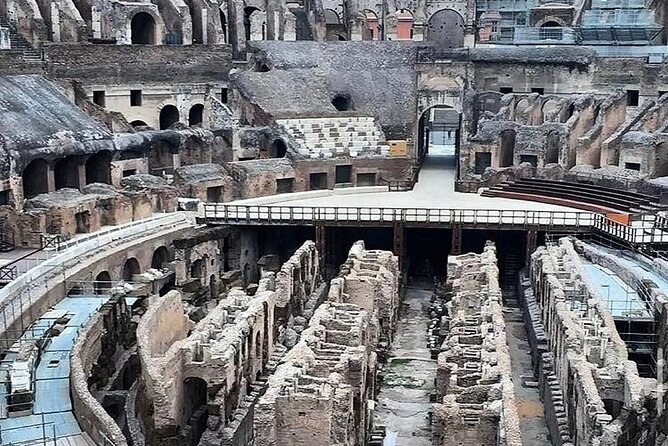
(408, 379)
(529, 407)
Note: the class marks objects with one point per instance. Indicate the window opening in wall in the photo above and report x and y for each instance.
(214, 194)
(483, 160)
(278, 148)
(99, 98)
(4, 197)
(318, 181)
(632, 166)
(135, 98)
(505, 90)
(531, 159)
(366, 179)
(344, 174)
(539, 90)
(223, 95)
(342, 103)
(129, 172)
(285, 185)
(632, 98)
(507, 157)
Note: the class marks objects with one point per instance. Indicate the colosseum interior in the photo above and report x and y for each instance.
(344, 223)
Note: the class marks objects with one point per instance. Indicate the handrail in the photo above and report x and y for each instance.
(14, 298)
(245, 214)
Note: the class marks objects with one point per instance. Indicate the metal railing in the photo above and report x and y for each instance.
(252, 214)
(647, 234)
(47, 434)
(20, 294)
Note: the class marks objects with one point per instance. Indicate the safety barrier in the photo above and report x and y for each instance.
(216, 213)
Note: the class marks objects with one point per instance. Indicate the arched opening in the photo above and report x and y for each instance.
(438, 132)
(160, 258)
(169, 115)
(143, 29)
(404, 25)
(197, 269)
(342, 102)
(446, 29)
(372, 26)
(552, 147)
(130, 268)
(223, 25)
(195, 114)
(335, 29)
(507, 148)
(98, 168)
(137, 123)
(551, 31)
(254, 23)
(331, 17)
(35, 178)
(102, 283)
(66, 173)
(278, 148)
(195, 411)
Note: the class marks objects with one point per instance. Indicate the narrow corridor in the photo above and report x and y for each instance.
(408, 378)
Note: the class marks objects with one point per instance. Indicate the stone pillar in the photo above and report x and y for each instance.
(532, 242)
(399, 245)
(456, 247)
(50, 177)
(320, 244)
(81, 172)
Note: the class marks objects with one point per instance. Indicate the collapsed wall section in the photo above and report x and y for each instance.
(474, 386)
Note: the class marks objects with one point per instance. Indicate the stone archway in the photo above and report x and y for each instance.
(131, 267)
(143, 29)
(102, 282)
(35, 178)
(278, 148)
(195, 115)
(160, 257)
(446, 29)
(169, 115)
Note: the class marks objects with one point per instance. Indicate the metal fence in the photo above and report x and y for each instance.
(21, 293)
(249, 214)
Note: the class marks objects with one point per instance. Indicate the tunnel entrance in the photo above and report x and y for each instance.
(195, 411)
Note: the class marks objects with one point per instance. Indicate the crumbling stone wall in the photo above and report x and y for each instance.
(319, 394)
(476, 395)
(370, 280)
(230, 349)
(602, 389)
